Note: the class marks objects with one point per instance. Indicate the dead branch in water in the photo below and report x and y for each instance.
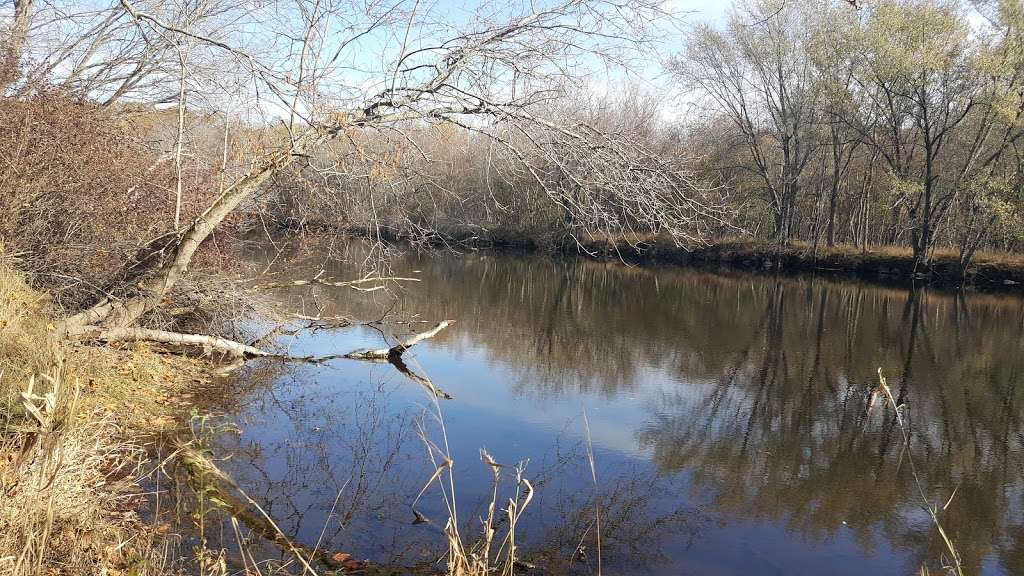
(427, 383)
(243, 352)
(402, 367)
(353, 284)
(206, 478)
(398, 349)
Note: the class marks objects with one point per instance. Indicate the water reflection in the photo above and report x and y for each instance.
(729, 414)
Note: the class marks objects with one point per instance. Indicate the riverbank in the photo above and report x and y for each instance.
(77, 428)
(992, 272)
(887, 265)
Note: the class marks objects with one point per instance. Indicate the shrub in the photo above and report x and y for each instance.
(82, 188)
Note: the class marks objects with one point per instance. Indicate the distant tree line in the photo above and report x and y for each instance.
(897, 123)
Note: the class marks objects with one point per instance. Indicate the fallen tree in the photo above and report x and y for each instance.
(163, 336)
(241, 352)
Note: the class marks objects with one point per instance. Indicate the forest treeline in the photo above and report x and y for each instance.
(898, 124)
(890, 123)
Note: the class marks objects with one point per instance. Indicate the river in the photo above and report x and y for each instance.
(727, 416)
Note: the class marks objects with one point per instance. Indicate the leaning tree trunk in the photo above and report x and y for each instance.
(156, 283)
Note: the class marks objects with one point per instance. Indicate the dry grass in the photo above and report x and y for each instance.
(988, 270)
(69, 470)
(25, 345)
(67, 479)
(951, 564)
(492, 550)
(69, 466)
(941, 253)
(142, 387)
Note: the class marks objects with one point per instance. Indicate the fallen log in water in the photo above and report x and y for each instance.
(243, 352)
(166, 337)
(234, 348)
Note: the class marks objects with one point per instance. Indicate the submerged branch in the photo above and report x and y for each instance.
(402, 367)
(208, 480)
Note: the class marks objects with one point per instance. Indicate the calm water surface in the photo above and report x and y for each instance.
(727, 415)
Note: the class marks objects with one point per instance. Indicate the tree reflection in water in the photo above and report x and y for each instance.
(753, 393)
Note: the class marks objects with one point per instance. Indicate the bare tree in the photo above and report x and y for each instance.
(914, 104)
(93, 49)
(917, 88)
(496, 76)
(758, 73)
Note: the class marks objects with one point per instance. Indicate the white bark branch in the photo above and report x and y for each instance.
(353, 284)
(135, 334)
(397, 350)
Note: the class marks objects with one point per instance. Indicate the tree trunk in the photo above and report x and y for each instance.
(15, 44)
(152, 288)
(780, 218)
(922, 237)
(832, 201)
(866, 202)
